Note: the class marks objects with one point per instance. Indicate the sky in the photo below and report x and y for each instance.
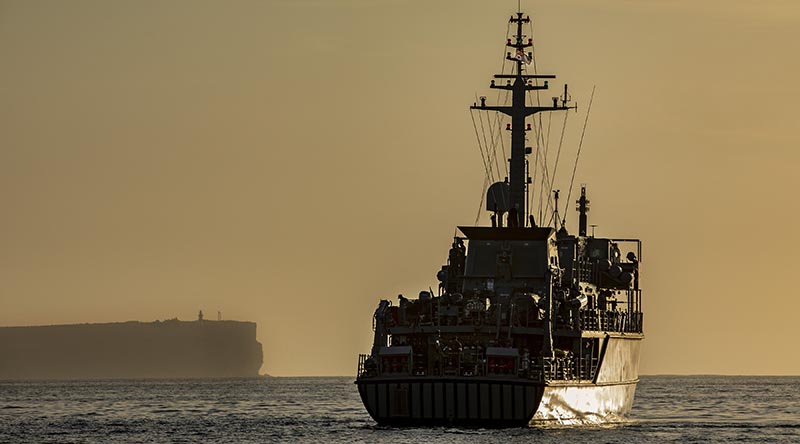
(293, 162)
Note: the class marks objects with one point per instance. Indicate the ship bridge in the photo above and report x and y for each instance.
(509, 253)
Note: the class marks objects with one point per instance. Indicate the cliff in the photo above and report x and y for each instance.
(161, 349)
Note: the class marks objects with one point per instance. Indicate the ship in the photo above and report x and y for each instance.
(530, 324)
(169, 349)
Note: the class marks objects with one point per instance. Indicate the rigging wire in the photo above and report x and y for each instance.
(546, 177)
(483, 196)
(500, 132)
(542, 140)
(543, 154)
(578, 155)
(539, 144)
(549, 124)
(541, 188)
(541, 160)
(493, 139)
(532, 193)
(486, 166)
(487, 163)
(501, 117)
(546, 156)
(555, 167)
(489, 174)
(486, 144)
(499, 136)
(539, 133)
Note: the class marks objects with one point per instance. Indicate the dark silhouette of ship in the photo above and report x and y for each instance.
(131, 350)
(529, 323)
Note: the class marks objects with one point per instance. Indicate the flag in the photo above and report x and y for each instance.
(522, 57)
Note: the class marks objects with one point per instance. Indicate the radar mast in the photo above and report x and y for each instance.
(519, 83)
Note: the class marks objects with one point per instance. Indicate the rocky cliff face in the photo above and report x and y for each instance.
(161, 349)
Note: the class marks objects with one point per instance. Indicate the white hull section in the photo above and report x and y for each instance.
(585, 404)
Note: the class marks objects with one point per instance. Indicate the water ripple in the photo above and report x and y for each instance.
(328, 410)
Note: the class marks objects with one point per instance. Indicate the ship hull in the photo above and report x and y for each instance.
(452, 401)
(492, 403)
(489, 402)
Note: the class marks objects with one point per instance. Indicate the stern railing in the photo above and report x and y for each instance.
(563, 368)
(616, 321)
(362, 358)
(560, 368)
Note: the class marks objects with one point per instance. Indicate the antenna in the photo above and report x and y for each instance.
(555, 208)
(583, 208)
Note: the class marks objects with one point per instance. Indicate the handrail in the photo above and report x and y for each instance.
(563, 368)
(623, 321)
(572, 368)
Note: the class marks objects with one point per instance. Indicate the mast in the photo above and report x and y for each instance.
(583, 208)
(519, 84)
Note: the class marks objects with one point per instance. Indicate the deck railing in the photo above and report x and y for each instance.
(563, 368)
(362, 358)
(570, 368)
(617, 321)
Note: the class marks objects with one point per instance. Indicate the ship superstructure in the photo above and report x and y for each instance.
(529, 323)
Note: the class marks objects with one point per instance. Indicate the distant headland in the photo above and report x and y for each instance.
(131, 350)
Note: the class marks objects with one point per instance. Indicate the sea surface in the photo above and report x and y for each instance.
(668, 409)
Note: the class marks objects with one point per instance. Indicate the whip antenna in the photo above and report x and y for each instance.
(578, 156)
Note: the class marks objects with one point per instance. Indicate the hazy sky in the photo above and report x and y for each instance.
(292, 162)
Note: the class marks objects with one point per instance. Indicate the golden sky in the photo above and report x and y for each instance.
(293, 162)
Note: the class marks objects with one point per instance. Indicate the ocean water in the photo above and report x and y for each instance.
(668, 409)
